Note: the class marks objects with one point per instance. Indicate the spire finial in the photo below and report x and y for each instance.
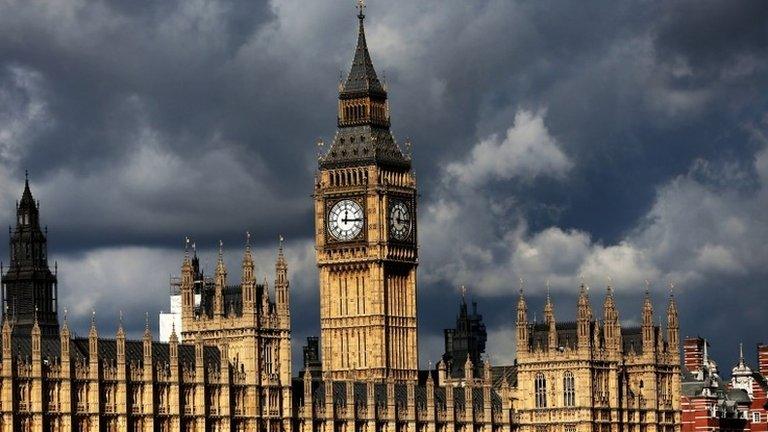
(248, 240)
(741, 353)
(522, 285)
(361, 9)
(120, 319)
(672, 290)
(35, 314)
(282, 240)
(548, 298)
(463, 292)
(647, 288)
(26, 176)
(93, 318)
(221, 248)
(66, 313)
(186, 245)
(146, 321)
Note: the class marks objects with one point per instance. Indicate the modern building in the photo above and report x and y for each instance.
(711, 403)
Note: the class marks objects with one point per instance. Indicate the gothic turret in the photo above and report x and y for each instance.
(248, 285)
(611, 325)
(522, 323)
(282, 292)
(584, 318)
(187, 285)
(549, 319)
(647, 326)
(220, 278)
(673, 326)
(29, 286)
(466, 341)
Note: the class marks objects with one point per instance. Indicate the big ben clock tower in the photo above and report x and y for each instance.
(365, 220)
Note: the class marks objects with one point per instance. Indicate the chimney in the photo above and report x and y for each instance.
(693, 352)
(762, 359)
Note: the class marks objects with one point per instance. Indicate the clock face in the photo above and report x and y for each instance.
(400, 221)
(345, 220)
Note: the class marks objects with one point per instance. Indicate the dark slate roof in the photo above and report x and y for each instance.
(364, 145)
(362, 77)
(134, 350)
(232, 298)
(632, 339)
(739, 396)
(22, 347)
(499, 374)
(400, 390)
(567, 335)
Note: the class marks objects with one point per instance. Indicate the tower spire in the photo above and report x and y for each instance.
(362, 76)
(363, 114)
(28, 275)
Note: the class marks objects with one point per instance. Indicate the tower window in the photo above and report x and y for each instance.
(540, 390)
(569, 389)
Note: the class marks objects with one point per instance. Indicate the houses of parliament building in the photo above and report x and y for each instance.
(227, 366)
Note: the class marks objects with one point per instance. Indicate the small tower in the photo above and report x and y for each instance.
(583, 318)
(120, 342)
(673, 326)
(187, 288)
(282, 291)
(147, 344)
(549, 319)
(647, 326)
(29, 287)
(64, 338)
(465, 341)
(522, 323)
(742, 376)
(220, 282)
(248, 285)
(611, 325)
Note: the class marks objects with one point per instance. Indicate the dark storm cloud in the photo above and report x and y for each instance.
(143, 122)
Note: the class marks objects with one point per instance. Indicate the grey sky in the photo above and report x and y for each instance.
(553, 141)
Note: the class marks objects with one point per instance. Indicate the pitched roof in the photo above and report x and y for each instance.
(362, 76)
(134, 350)
(400, 394)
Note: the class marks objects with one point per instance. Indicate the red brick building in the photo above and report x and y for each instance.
(710, 403)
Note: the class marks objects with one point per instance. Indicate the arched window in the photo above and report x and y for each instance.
(540, 390)
(569, 389)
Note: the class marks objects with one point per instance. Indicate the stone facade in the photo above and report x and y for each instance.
(597, 376)
(367, 267)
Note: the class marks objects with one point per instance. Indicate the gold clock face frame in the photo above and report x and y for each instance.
(345, 220)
